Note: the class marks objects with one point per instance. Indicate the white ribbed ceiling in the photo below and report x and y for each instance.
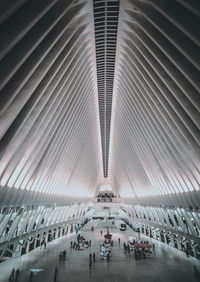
(155, 118)
(95, 92)
(49, 130)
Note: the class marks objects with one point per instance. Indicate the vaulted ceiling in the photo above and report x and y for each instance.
(95, 92)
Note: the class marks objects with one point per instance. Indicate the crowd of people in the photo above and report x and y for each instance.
(75, 245)
(79, 244)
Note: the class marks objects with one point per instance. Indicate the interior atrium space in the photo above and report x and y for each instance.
(100, 140)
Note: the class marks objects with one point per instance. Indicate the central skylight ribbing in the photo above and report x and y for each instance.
(106, 24)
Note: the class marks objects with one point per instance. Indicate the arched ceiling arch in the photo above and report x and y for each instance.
(100, 90)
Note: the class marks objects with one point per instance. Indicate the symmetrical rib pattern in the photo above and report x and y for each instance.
(92, 86)
(155, 126)
(106, 22)
(48, 112)
(100, 85)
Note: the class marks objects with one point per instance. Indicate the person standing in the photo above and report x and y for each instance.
(90, 259)
(31, 275)
(107, 256)
(187, 252)
(7, 230)
(12, 275)
(93, 257)
(125, 247)
(64, 254)
(196, 272)
(17, 274)
(56, 274)
(61, 255)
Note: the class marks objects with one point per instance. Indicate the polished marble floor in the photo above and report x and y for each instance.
(168, 264)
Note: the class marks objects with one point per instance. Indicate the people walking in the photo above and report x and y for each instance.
(119, 241)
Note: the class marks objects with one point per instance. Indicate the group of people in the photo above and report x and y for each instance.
(105, 250)
(143, 242)
(62, 255)
(127, 248)
(91, 258)
(77, 245)
(14, 275)
(130, 245)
